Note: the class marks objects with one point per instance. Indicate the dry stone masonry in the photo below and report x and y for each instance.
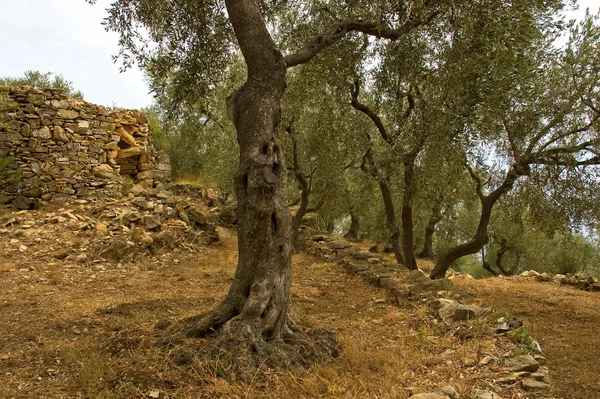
(68, 149)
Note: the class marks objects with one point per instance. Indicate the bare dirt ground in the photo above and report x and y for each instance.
(565, 320)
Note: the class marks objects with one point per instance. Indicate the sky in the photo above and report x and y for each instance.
(66, 37)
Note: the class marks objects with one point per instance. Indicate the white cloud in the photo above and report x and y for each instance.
(66, 37)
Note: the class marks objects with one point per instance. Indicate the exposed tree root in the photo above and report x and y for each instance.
(240, 348)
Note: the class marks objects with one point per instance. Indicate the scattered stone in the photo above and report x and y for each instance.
(503, 328)
(450, 392)
(23, 203)
(339, 244)
(522, 363)
(459, 312)
(151, 222)
(139, 190)
(144, 204)
(141, 237)
(540, 359)
(507, 380)
(439, 303)
(33, 193)
(5, 199)
(118, 250)
(483, 394)
(532, 384)
(539, 376)
(361, 255)
(347, 252)
(429, 395)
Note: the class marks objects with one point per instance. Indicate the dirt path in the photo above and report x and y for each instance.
(566, 322)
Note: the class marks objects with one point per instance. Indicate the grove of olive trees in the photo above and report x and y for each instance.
(453, 113)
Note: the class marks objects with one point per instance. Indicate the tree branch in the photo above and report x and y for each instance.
(479, 184)
(354, 90)
(341, 29)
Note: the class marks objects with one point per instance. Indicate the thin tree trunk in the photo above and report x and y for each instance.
(392, 223)
(353, 232)
(436, 216)
(503, 249)
(407, 212)
(305, 188)
(330, 226)
(486, 265)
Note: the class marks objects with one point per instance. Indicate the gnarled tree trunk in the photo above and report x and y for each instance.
(481, 238)
(251, 322)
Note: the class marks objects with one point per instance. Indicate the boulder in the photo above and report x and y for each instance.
(151, 222)
(33, 193)
(22, 203)
(118, 250)
(459, 312)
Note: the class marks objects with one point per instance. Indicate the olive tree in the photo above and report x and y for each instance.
(190, 44)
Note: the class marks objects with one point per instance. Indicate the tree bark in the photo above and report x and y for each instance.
(436, 216)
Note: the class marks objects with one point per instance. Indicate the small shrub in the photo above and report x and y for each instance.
(522, 337)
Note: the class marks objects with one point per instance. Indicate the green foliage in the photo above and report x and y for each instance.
(522, 337)
(39, 80)
(198, 137)
(477, 73)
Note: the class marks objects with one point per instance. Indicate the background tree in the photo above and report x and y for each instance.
(39, 80)
(546, 120)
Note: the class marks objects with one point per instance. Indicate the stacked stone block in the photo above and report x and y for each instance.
(70, 148)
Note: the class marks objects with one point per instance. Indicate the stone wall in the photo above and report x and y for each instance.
(67, 148)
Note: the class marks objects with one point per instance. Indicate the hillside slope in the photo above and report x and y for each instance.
(566, 321)
(74, 326)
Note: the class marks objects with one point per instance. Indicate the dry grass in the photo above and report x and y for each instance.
(565, 320)
(68, 331)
